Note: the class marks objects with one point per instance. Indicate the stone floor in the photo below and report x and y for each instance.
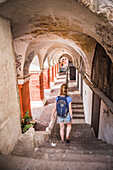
(84, 152)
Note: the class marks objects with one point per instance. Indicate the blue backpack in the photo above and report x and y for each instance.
(62, 106)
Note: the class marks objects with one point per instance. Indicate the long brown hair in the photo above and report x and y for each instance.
(63, 89)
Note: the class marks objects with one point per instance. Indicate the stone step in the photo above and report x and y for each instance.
(22, 163)
(62, 155)
(80, 149)
(78, 121)
(78, 111)
(77, 106)
(78, 116)
(82, 144)
(77, 103)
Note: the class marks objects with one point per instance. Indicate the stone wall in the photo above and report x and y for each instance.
(9, 98)
(106, 124)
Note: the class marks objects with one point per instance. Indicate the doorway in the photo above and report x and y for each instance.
(95, 113)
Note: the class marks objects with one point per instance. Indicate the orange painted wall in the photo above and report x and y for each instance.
(24, 98)
(36, 87)
(46, 78)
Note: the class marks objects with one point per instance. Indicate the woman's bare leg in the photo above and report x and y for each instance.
(62, 131)
(68, 129)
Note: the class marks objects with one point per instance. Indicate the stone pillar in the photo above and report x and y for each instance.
(80, 85)
(52, 73)
(49, 77)
(23, 85)
(37, 89)
(20, 94)
(46, 78)
(77, 78)
(55, 72)
(57, 68)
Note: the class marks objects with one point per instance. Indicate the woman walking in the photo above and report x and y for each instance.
(63, 117)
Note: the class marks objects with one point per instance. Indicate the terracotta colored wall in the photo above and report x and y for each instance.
(36, 87)
(20, 94)
(52, 74)
(41, 86)
(46, 78)
(25, 98)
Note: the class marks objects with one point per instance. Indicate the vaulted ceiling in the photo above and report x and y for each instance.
(64, 24)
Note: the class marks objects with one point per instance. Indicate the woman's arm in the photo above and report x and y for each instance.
(53, 112)
(70, 110)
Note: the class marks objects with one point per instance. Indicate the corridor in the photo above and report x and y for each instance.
(43, 44)
(84, 152)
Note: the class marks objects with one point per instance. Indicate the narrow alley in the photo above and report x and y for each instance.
(84, 152)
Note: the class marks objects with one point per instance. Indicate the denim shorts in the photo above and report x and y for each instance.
(66, 119)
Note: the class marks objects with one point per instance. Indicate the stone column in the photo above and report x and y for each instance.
(51, 75)
(57, 68)
(80, 84)
(20, 94)
(37, 89)
(46, 77)
(77, 78)
(55, 72)
(23, 85)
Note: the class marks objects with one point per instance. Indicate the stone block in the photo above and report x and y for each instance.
(41, 137)
(25, 143)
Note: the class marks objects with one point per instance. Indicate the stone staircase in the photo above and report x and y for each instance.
(78, 112)
(84, 152)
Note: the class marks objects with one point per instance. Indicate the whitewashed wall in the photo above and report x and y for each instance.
(87, 101)
(9, 100)
(106, 124)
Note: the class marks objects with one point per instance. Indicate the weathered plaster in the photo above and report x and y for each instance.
(9, 104)
(101, 7)
(66, 19)
(106, 124)
(20, 48)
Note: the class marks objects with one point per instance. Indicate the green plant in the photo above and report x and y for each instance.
(26, 122)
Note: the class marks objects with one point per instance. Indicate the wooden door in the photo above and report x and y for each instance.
(95, 113)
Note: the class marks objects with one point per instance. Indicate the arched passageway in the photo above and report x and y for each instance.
(32, 35)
